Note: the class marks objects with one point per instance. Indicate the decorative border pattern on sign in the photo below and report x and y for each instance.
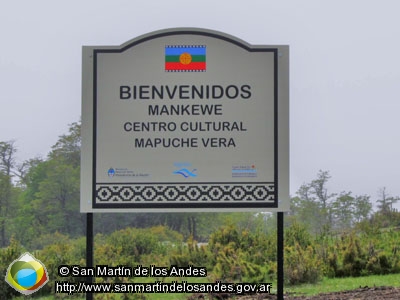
(164, 193)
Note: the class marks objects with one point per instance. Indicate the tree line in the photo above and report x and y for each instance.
(41, 196)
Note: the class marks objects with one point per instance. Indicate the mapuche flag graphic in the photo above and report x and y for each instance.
(185, 58)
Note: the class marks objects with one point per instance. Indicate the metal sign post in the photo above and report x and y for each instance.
(89, 249)
(280, 252)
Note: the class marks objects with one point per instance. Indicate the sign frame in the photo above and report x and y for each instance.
(278, 191)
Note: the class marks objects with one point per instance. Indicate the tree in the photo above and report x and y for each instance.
(386, 201)
(51, 195)
(362, 208)
(314, 203)
(5, 202)
(323, 211)
(8, 151)
(68, 146)
(343, 210)
(57, 200)
(320, 190)
(22, 170)
(7, 157)
(308, 212)
(346, 210)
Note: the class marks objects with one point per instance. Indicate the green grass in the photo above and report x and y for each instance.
(327, 285)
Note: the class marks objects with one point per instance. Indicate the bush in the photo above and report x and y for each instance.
(7, 256)
(191, 254)
(302, 265)
(238, 256)
(372, 253)
(302, 262)
(64, 251)
(133, 243)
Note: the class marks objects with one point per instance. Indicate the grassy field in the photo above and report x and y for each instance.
(327, 285)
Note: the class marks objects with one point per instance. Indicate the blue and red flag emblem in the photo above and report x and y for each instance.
(185, 58)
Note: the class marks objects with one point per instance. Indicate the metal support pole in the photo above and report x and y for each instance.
(280, 255)
(89, 249)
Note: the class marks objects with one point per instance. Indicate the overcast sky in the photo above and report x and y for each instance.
(344, 73)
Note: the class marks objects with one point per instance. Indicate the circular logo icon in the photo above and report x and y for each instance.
(185, 58)
(111, 172)
(26, 274)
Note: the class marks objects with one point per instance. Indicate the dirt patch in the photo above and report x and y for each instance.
(387, 293)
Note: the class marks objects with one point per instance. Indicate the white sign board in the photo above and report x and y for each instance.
(185, 120)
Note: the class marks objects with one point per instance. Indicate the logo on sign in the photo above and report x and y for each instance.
(186, 173)
(111, 172)
(184, 170)
(244, 171)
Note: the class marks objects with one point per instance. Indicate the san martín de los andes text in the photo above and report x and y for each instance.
(162, 103)
(138, 271)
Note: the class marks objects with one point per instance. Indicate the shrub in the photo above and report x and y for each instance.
(297, 234)
(134, 242)
(64, 251)
(302, 265)
(7, 256)
(234, 267)
(238, 256)
(191, 254)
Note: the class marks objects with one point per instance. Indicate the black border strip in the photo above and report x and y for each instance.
(276, 133)
(185, 205)
(187, 183)
(201, 33)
